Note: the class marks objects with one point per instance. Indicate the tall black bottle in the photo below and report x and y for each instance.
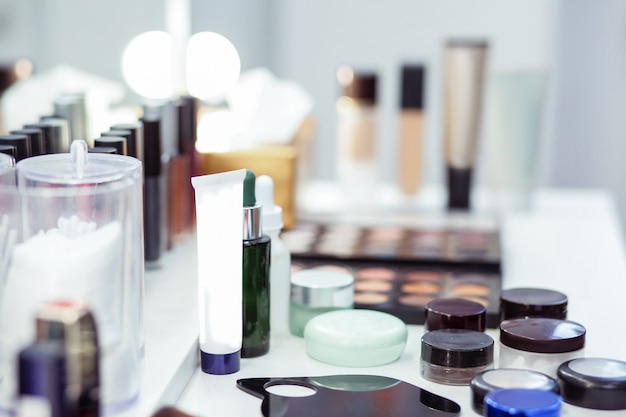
(153, 201)
(256, 276)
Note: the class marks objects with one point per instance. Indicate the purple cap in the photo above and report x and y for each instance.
(220, 364)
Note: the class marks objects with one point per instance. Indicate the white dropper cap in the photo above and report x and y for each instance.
(272, 214)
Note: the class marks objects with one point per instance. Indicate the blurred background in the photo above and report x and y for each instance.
(578, 44)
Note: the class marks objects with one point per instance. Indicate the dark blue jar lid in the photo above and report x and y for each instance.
(522, 402)
(508, 378)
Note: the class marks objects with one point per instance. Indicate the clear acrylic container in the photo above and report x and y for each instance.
(540, 344)
(72, 229)
(7, 169)
(455, 356)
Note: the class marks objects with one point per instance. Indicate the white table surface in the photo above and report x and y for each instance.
(570, 240)
(171, 330)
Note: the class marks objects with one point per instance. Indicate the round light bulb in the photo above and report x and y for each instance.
(213, 65)
(146, 65)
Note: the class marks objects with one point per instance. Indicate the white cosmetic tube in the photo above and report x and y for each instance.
(219, 199)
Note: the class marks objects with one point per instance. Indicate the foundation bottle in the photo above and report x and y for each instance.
(465, 63)
(411, 129)
(181, 169)
(356, 135)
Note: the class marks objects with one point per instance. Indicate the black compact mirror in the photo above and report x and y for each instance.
(348, 396)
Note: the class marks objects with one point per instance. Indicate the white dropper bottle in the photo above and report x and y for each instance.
(280, 258)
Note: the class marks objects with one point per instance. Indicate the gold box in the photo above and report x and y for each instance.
(279, 162)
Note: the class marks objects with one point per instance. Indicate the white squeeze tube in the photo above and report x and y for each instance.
(219, 202)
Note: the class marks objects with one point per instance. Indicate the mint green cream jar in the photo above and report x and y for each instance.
(355, 338)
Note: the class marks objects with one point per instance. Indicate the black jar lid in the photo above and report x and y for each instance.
(37, 145)
(532, 302)
(457, 348)
(103, 149)
(505, 378)
(134, 141)
(595, 383)
(152, 146)
(21, 143)
(117, 142)
(8, 150)
(455, 313)
(542, 335)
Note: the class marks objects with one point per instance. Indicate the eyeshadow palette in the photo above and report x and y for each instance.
(404, 290)
(449, 244)
(398, 270)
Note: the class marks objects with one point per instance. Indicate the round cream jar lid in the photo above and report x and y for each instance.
(322, 288)
(355, 338)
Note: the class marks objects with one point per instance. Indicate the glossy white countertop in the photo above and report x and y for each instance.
(570, 240)
(171, 330)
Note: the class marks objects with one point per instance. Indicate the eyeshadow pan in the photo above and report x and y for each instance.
(415, 300)
(299, 248)
(298, 235)
(425, 275)
(470, 289)
(421, 287)
(427, 252)
(474, 277)
(429, 240)
(370, 298)
(479, 300)
(382, 240)
(373, 285)
(395, 233)
(310, 227)
(339, 238)
(336, 268)
(472, 242)
(336, 250)
(376, 273)
(381, 252)
(383, 243)
(471, 250)
(343, 230)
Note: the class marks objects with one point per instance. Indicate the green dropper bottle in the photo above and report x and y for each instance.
(256, 276)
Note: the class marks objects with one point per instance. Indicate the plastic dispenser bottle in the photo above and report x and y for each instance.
(256, 276)
(280, 257)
